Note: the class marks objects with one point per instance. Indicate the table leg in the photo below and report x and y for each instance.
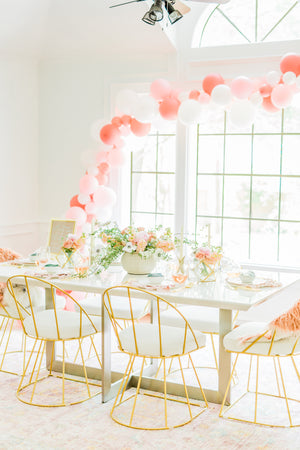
(106, 355)
(225, 325)
(49, 344)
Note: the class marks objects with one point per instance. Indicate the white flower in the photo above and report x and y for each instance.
(129, 248)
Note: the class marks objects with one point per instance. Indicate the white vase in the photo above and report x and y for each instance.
(136, 265)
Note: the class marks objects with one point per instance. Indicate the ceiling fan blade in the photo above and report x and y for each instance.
(182, 8)
(221, 2)
(126, 3)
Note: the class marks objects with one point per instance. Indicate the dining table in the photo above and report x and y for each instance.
(218, 294)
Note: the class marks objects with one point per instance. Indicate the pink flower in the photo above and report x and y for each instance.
(166, 246)
(203, 253)
(141, 229)
(141, 245)
(141, 236)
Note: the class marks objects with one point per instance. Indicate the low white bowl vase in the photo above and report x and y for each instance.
(136, 265)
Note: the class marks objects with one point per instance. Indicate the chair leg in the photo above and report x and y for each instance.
(39, 368)
(123, 384)
(196, 375)
(137, 391)
(7, 341)
(84, 369)
(256, 388)
(228, 385)
(214, 351)
(276, 375)
(165, 393)
(295, 367)
(284, 390)
(185, 388)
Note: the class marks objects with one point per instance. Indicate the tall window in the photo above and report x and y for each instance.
(242, 22)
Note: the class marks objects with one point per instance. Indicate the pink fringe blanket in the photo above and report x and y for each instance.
(6, 255)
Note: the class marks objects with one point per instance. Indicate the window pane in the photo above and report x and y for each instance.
(166, 153)
(266, 154)
(290, 195)
(238, 154)
(143, 192)
(210, 157)
(289, 243)
(265, 197)
(213, 121)
(166, 193)
(165, 220)
(236, 238)
(236, 196)
(215, 227)
(209, 195)
(263, 241)
(266, 122)
(292, 116)
(143, 220)
(145, 160)
(291, 155)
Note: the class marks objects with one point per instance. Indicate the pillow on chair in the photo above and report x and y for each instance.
(36, 293)
(288, 323)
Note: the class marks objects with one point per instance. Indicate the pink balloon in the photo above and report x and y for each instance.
(204, 98)
(90, 208)
(268, 105)
(241, 87)
(90, 217)
(169, 108)
(281, 96)
(119, 144)
(77, 214)
(160, 89)
(74, 202)
(117, 157)
(116, 121)
(210, 81)
(110, 134)
(102, 179)
(101, 156)
(140, 129)
(265, 90)
(88, 184)
(290, 63)
(104, 197)
(104, 168)
(124, 130)
(126, 120)
(194, 95)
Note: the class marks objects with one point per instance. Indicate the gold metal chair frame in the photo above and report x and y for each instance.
(29, 387)
(119, 400)
(224, 411)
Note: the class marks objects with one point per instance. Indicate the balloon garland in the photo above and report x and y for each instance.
(240, 97)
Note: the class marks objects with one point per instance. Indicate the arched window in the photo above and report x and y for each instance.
(248, 21)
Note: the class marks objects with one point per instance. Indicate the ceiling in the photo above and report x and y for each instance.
(54, 28)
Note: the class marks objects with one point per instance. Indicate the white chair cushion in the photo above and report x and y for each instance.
(241, 337)
(92, 305)
(68, 323)
(147, 336)
(200, 318)
(38, 300)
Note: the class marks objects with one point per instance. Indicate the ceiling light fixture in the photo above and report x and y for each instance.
(174, 14)
(155, 13)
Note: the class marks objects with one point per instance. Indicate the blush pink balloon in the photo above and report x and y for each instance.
(104, 168)
(90, 208)
(265, 90)
(290, 63)
(140, 129)
(194, 95)
(116, 121)
(109, 134)
(124, 130)
(204, 98)
(90, 217)
(160, 89)
(88, 184)
(282, 96)
(241, 87)
(210, 81)
(77, 214)
(117, 157)
(101, 157)
(168, 108)
(104, 197)
(102, 179)
(268, 105)
(126, 120)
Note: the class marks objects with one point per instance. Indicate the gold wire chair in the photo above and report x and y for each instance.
(47, 327)
(264, 347)
(154, 341)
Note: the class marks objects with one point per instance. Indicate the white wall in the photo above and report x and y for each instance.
(19, 154)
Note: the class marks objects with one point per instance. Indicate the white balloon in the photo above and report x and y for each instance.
(91, 208)
(93, 171)
(273, 77)
(126, 101)
(182, 96)
(256, 99)
(242, 113)
(103, 214)
(189, 112)
(88, 158)
(145, 109)
(289, 78)
(84, 199)
(298, 81)
(221, 95)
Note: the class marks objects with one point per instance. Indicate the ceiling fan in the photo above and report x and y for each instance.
(175, 9)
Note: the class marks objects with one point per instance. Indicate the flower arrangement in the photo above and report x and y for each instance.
(72, 244)
(145, 243)
(208, 258)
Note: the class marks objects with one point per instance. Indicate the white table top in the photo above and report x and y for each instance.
(215, 294)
